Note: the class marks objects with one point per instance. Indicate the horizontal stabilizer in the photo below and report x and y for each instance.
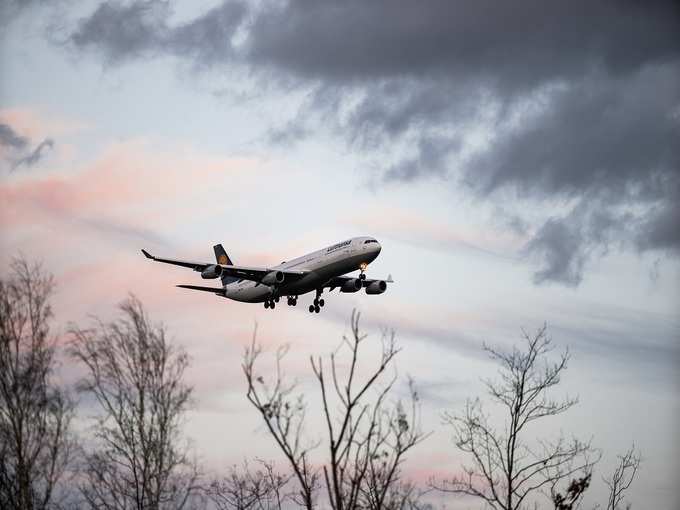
(214, 290)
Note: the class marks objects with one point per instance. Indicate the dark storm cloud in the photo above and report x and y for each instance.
(513, 44)
(563, 244)
(581, 100)
(11, 9)
(597, 87)
(559, 247)
(430, 159)
(121, 31)
(17, 148)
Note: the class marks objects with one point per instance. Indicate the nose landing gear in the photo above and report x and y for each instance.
(362, 269)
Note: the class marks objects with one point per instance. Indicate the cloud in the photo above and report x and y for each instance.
(127, 193)
(36, 154)
(11, 9)
(430, 159)
(528, 104)
(9, 138)
(558, 245)
(14, 148)
(123, 31)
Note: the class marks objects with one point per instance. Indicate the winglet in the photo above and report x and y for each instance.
(148, 255)
(389, 279)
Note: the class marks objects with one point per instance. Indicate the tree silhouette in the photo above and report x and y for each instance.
(35, 414)
(367, 438)
(506, 471)
(136, 378)
(622, 478)
(245, 489)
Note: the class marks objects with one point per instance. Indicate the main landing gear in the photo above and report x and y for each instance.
(318, 303)
(271, 303)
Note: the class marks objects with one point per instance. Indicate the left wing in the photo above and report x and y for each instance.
(215, 290)
(255, 274)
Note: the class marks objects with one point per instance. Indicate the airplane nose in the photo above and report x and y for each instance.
(377, 248)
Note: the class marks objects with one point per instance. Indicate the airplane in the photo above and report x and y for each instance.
(314, 272)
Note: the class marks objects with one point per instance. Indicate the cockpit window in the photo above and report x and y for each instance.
(368, 241)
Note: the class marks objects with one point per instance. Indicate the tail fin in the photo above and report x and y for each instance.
(223, 259)
(221, 256)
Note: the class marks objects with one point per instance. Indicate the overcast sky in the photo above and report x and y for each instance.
(518, 161)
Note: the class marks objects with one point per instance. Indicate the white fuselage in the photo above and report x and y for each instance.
(324, 264)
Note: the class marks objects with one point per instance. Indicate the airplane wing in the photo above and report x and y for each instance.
(339, 281)
(216, 290)
(246, 272)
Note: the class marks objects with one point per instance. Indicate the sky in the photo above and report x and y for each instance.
(517, 161)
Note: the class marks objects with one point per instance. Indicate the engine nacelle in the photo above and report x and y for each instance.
(353, 285)
(377, 287)
(273, 278)
(211, 272)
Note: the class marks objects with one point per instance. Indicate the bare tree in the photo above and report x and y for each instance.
(284, 416)
(367, 437)
(507, 471)
(35, 413)
(136, 377)
(246, 489)
(622, 478)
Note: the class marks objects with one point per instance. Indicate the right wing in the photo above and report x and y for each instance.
(254, 274)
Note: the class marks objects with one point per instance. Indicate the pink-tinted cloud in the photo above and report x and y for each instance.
(33, 124)
(127, 181)
(413, 227)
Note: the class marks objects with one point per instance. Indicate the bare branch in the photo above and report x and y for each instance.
(622, 478)
(246, 489)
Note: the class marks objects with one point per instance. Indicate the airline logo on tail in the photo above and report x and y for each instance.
(221, 256)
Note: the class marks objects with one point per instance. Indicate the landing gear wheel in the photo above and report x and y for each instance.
(272, 305)
(317, 309)
(276, 299)
(362, 276)
(294, 301)
(266, 304)
(321, 302)
(316, 301)
(311, 308)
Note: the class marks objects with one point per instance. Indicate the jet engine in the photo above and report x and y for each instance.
(211, 272)
(352, 285)
(376, 287)
(273, 278)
